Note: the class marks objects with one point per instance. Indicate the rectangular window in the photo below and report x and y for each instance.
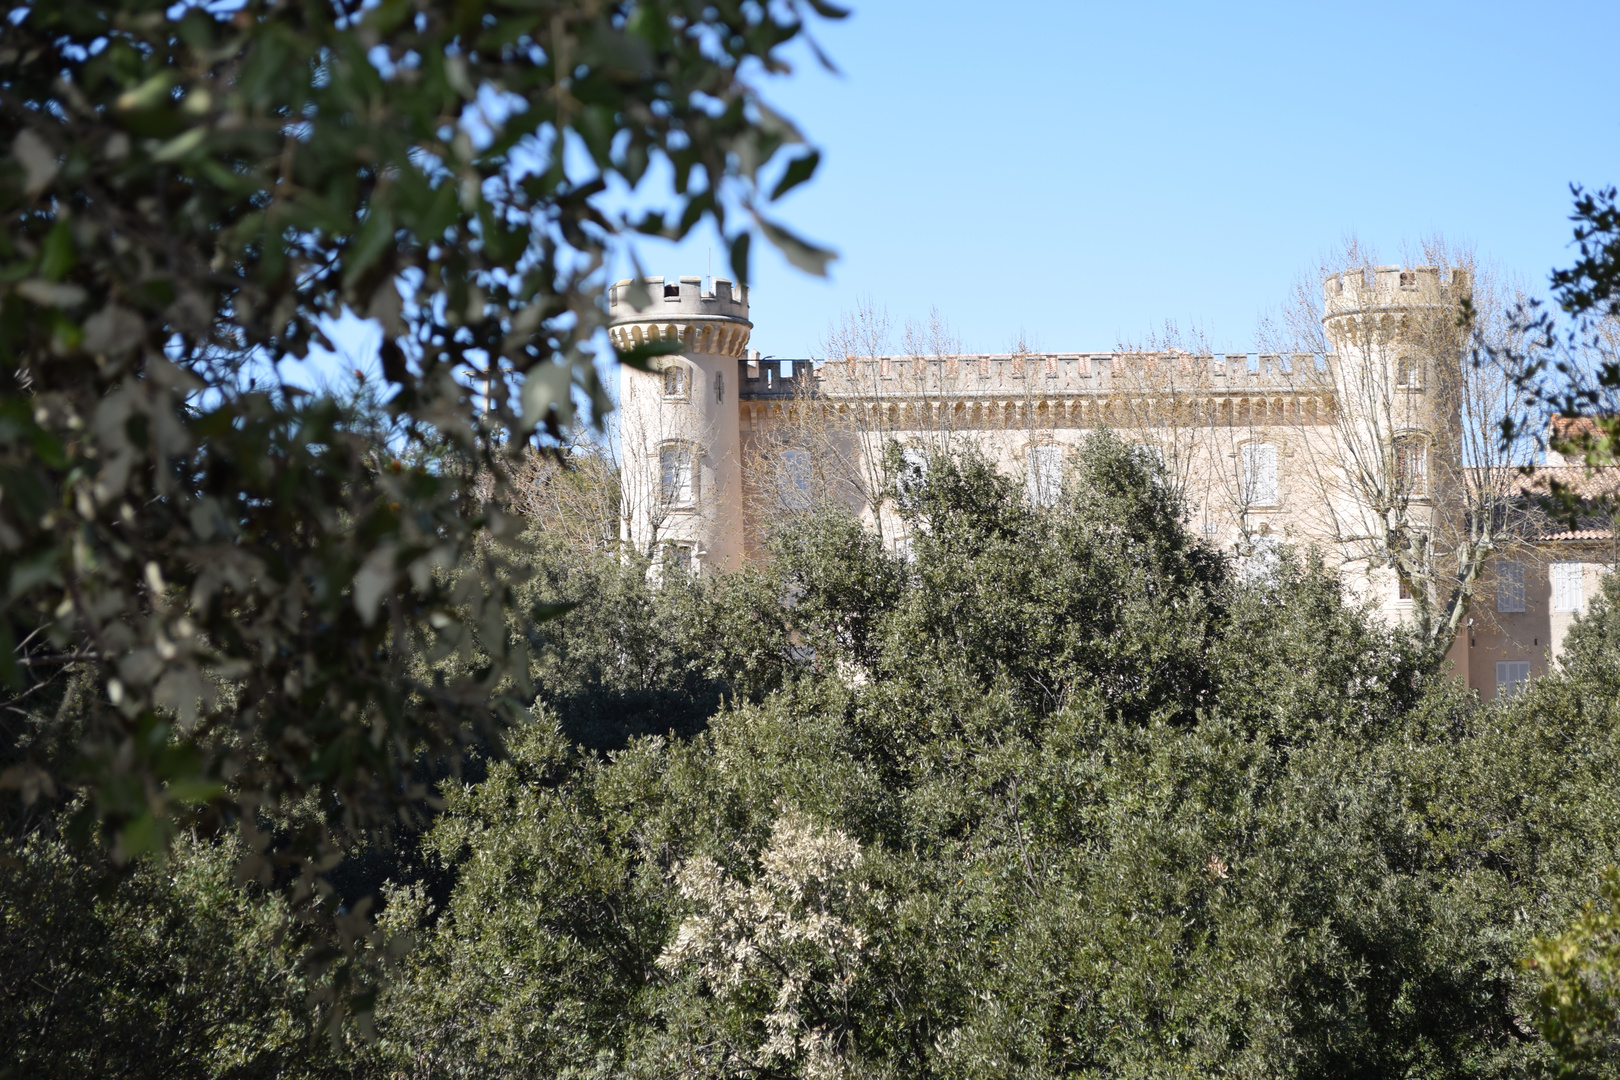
(681, 557)
(1260, 475)
(1412, 466)
(676, 475)
(1263, 561)
(793, 481)
(1510, 586)
(1045, 475)
(1566, 585)
(913, 472)
(674, 381)
(1511, 676)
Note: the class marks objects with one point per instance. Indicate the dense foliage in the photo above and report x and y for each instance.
(1064, 794)
(221, 598)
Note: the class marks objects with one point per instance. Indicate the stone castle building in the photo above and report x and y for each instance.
(1375, 450)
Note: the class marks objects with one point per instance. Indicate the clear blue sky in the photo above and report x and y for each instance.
(1083, 170)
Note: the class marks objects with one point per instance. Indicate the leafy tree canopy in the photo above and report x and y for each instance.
(1200, 822)
(224, 598)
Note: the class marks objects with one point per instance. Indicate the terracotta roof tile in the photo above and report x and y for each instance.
(1598, 486)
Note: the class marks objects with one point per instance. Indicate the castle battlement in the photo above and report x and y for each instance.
(1041, 374)
(682, 298)
(1386, 288)
(713, 322)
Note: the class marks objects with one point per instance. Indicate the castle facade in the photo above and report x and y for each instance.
(1380, 451)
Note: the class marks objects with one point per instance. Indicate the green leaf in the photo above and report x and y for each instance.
(194, 791)
(58, 253)
(143, 836)
(739, 255)
(10, 673)
(181, 146)
(376, 236)
(149, 94)
(27, 573)
(828, 11)
(801, 253)
(546, 612)
(641, 356)
(798, 171)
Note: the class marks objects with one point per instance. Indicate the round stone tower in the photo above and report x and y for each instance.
(681, 482)
(1397, 384)
(1399, 346)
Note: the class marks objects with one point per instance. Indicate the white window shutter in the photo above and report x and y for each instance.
(1566, 586)
(676, 479)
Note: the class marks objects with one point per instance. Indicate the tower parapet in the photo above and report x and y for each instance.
(1380, 293)
(714, 322)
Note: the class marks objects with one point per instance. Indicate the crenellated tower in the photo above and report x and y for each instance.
(1395, 328)
(681, 485)
(1400, 346)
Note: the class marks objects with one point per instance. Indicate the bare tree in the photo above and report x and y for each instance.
(1412, 474)
(1164, 394)
(826, 442)
(573, 494)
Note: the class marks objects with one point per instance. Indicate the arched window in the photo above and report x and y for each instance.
(677, 477)
(1408, 372)
(1412, 466)
(681, 556)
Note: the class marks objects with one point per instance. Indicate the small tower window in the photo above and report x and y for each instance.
(677, 485)
(1412, 466)
(1406, 372)
(793, 480)
(913, 472)
(681, 557)
(675, 380)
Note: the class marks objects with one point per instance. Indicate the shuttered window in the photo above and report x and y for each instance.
(1045, 475)
(1260, 475)
(1509, 586)
(675, 486)
(1511, 676)
(794, 480)
(1566, 586)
